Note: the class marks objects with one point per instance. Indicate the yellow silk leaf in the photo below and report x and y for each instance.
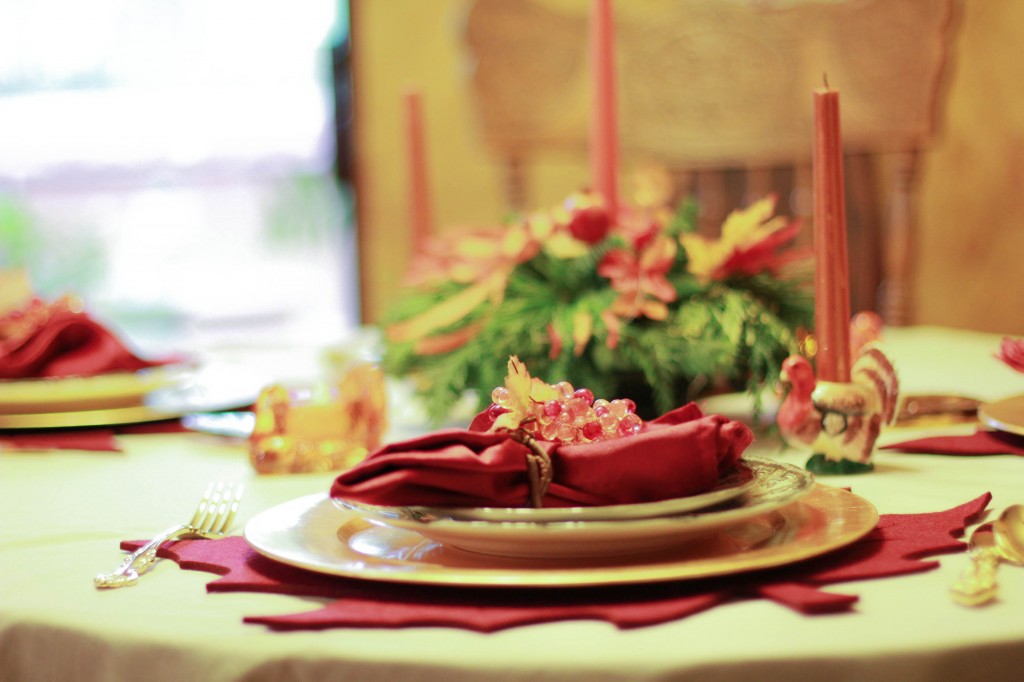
(563, 245)
(451, 310)
(582, 330)
(445, 343)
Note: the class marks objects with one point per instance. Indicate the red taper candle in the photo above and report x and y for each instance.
(416, 158)
(831, 279)
(604, 143)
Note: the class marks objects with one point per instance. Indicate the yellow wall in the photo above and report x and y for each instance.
(970, 270)
(969, 266)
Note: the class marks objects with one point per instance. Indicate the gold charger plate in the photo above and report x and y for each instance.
(111, 390)
(313, 533)
(1004, 415)
(169, 394)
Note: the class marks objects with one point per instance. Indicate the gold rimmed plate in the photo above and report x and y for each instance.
(313, 533)
(1004, 415)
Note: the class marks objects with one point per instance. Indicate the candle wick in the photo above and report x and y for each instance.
(824, 78)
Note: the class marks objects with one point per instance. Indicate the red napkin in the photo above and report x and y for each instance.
(981, 442)
(680, 453)
(65, 343)
(895, 547)
(1011, 352)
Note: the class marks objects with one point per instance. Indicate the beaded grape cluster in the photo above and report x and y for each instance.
(574, 417)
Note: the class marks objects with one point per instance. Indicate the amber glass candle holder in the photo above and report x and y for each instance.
(325, 427)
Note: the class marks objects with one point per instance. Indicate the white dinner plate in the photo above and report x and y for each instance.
(314, 534)
(731, 486)
(774, 485)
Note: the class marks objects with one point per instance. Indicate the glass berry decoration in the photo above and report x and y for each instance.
(558, 412)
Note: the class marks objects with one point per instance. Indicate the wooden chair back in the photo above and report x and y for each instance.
(720, 94)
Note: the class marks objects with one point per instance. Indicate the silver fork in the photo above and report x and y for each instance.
(213, 517)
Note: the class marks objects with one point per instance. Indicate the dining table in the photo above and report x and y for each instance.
(64, 514)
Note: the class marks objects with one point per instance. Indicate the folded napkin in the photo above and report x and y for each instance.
(1011, 352)
(59, 340)
(981, 442)
(683, 452)
(897, 546)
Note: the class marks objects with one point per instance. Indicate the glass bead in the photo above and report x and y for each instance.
(601, 404)
(565, 389)
(584, 394)
(549, 431)
(552, 408)
(630, 405)
(494, 411)
(592, 430)
(577, 407)
(500, 396)
(609, 422)
(630, 425)
(566, 433)
(618, 408)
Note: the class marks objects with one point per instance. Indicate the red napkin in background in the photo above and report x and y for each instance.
(66, 342)
(981, 442)
(680, 453)
(896, 547)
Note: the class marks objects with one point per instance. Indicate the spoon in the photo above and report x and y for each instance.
(1009, 532)
(977, 585)
(1003, 539)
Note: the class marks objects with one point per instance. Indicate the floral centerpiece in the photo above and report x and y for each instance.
(636, 305)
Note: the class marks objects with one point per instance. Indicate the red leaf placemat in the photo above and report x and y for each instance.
(96, 439)
(897, 546)
(981, 442)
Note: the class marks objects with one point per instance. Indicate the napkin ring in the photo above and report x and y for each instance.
(538, 467)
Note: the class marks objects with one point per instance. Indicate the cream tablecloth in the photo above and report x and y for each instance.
(62, 515)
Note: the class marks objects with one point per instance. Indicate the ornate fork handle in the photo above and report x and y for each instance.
(978, 583)
(140, 561)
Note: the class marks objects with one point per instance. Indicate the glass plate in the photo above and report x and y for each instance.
(731, 486)
(313, 533)
(774, 484)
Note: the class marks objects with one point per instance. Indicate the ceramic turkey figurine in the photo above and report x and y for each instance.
(838, 422)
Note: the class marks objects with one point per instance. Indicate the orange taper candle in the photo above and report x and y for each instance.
(604, 143)
(416, 158)
(831, 278)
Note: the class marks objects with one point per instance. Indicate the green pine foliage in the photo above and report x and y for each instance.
(731, 334)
